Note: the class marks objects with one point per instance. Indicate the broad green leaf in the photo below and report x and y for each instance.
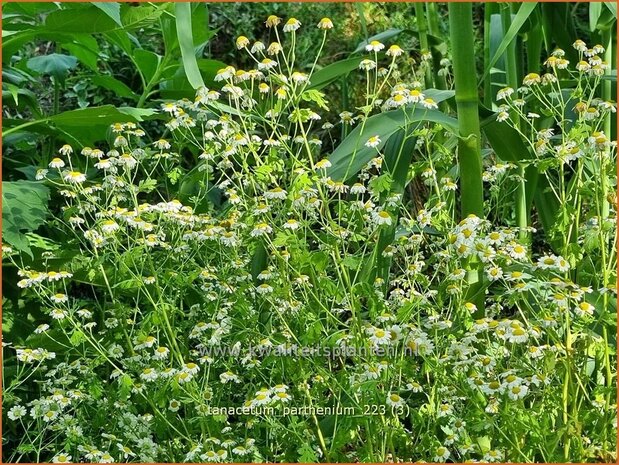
(398, 154)
(178, 87)
(85, 48)
(612, 6)
(84, 126)
(108, 82)
(595, 10)
(352, 154)
(24, 209)
(112, 9)
(520, 18)
(605, 19)
(104, 115)
(21, 98)
(122, 39)
(185, 40)
(497, 71)
(29, 9)
(147, 62)
(16, 76)
(201, 32)
(55, 64)
(258, 260)
(325, 76)
(364, 23)
(86, 20)
(139, 16)
(509, 147)
(92, 19)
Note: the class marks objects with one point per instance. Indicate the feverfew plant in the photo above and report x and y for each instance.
(174, 309)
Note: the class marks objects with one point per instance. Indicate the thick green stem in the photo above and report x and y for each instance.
(469, 145)
(511, 73)
(465, 79)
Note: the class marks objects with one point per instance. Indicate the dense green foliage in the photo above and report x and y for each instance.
(397, 219)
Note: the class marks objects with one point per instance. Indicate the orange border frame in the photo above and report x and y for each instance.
(287, 1)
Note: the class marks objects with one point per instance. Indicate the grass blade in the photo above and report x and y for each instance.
(185, 40)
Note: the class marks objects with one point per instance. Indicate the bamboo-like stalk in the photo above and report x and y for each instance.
(488, 11)
(465, 80)
(440, 82)
(422, 27)
(469, 145)
(511, 73)
(432, 13)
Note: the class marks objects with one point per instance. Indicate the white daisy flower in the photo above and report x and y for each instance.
(394, 400)
(441, 454)
(275, 193)
(382, 217)
(373, 142)
(16, 412)
(74, 177)
(61, 458)
(325, 23)
(374, 46)
(57, 163)
(292, 25)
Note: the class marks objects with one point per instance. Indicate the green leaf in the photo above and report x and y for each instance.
(92, 19)
(330, 73)
(85, 48)
(258, 260)
(125, 384)
(382, 37)
(84, 126)
(509, 146)
(519, 20)
(605, 18)
(612, 6)
(139, 16)
(484, 443)
(84, 20)
(313, 95)
(28, 9)
(185, 40)
(307, 454)
(24, 209)
(147, 185)
(147, 62)
(77, 337)
(352, 154)
(104, 115)
(55, 64)
(112, 9)
(119, 88)
(595, 10)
